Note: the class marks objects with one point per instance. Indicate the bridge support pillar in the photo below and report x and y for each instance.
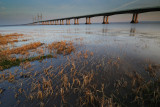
(68, 22)
(105, 20)
(135, 18)
(62, 22)
(88, 20)
(75, 21)
(56, 22)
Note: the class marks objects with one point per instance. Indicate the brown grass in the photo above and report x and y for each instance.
(21, 50)
(9, 38)
(62, 47)
(11, 77)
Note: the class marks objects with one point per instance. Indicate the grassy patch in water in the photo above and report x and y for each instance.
(8, 63)
(5, 64)
(39, 58)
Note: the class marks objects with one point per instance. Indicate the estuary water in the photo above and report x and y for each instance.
(121, 47)
(136, 40)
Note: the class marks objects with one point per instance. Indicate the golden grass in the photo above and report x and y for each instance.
(61, 47)
(11, 77)
(22, 49)
(9, 38)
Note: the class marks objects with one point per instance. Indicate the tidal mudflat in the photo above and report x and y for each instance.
(84, 65)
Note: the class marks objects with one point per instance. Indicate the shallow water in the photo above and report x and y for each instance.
(139, 40)
(137, 45)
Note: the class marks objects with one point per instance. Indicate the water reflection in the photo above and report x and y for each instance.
(132, 31)
(104, 30)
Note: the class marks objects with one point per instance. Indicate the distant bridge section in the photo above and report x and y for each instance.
(135, 13)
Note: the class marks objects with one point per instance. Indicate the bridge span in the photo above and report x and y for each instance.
(134, 19)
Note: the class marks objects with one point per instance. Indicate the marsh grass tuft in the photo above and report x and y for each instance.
(22, 49)
(61, 47)
(9, 38)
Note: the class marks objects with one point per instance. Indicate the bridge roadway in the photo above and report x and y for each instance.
(135, 13)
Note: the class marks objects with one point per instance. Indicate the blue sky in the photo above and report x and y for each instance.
(22, 11)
